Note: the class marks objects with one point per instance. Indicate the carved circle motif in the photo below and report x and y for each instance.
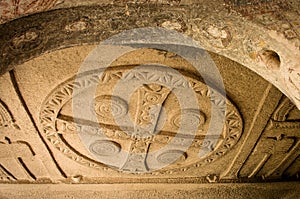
(110, 105)
(172, 156)
(152, 98)
(105, 148)
(194, 118)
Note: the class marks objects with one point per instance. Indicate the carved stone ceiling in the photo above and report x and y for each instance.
(261, 35)
(85, 151)
(74, 108)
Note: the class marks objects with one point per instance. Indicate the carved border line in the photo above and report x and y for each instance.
(164, 137)
(18, 92)
(283, 109)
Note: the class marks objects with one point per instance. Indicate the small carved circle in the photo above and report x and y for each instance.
(80, 25)
(171, 156)
(110, 106)
(206, 143)
(105, 148)
(71, 127)
(152, 98)
(189, 118)
(77, 26)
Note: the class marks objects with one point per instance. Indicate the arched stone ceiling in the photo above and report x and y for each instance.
(261, 35)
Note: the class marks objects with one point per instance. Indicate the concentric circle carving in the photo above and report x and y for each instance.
(110, 106)
(172, 156)
(193, 118)
(105, 148)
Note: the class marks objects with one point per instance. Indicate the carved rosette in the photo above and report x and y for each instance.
(146, 108)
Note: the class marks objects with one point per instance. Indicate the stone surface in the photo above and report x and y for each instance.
(154, 111)
(82, 154)
(11, 9)
(215, 191)
(222, 31)
(24, 155)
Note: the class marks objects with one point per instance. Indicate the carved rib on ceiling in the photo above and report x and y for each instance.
(245, 41)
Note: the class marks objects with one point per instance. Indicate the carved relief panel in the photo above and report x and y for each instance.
(24, 158)
(19, 162)
(106, 126)
(276, 154)
(146, 109)
(147, 133)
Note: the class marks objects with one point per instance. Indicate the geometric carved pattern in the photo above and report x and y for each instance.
(105, 148)
(6, 119)
(57, 127)
(279, 145)
(18, 161)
